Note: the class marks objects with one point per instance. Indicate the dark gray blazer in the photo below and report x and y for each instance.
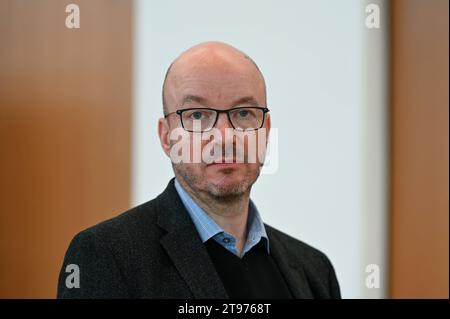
(154, 251)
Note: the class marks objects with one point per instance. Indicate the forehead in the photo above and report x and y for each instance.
(215, 81)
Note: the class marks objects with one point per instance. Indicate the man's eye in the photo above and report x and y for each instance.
(197, 115)
(243, 113)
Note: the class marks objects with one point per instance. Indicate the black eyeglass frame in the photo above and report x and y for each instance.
(180, 113)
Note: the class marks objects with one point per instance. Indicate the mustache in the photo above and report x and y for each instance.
(229, 154)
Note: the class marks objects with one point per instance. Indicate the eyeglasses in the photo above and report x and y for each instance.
(201, 120)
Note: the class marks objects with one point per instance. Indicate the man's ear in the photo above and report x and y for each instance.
(164, 135)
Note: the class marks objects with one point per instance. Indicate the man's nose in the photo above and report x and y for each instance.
(223, 123)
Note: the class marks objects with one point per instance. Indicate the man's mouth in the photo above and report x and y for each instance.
(224, 163)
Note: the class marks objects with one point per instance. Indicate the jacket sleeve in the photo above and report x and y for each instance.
(90, 271)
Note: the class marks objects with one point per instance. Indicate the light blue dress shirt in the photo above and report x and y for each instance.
(207, 228)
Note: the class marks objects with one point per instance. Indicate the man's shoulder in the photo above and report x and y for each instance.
(110, 253)
(139, 227)
(129, 225)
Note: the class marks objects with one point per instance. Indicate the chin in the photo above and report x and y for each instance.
(229, 185)
(227, 190)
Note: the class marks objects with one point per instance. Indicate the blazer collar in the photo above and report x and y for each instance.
(292, 271)
(184, 246)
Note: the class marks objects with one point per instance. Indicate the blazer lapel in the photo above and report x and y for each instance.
(184, 246)
(292, 272)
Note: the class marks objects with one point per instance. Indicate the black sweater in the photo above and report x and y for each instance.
(255, 275)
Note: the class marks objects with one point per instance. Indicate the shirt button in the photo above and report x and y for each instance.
(226, 240)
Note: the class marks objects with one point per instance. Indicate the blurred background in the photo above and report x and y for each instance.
(361, 112)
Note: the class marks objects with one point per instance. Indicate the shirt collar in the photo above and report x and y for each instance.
(207, 228)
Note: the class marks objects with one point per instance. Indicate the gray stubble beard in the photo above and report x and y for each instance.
(214, 190)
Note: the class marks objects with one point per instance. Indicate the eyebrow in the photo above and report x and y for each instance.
(243, 100)
(246, 100)
(193, 98)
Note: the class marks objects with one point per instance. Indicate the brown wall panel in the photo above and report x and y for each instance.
(419, 149)
(65, 101)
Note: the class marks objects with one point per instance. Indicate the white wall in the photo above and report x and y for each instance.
(325, 74)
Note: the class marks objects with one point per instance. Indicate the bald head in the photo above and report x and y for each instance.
(215, 71)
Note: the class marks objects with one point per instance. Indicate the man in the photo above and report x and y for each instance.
(202, 237)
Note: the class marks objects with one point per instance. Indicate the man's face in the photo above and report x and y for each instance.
(219, 80)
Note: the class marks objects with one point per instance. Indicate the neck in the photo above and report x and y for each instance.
(230, 213)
